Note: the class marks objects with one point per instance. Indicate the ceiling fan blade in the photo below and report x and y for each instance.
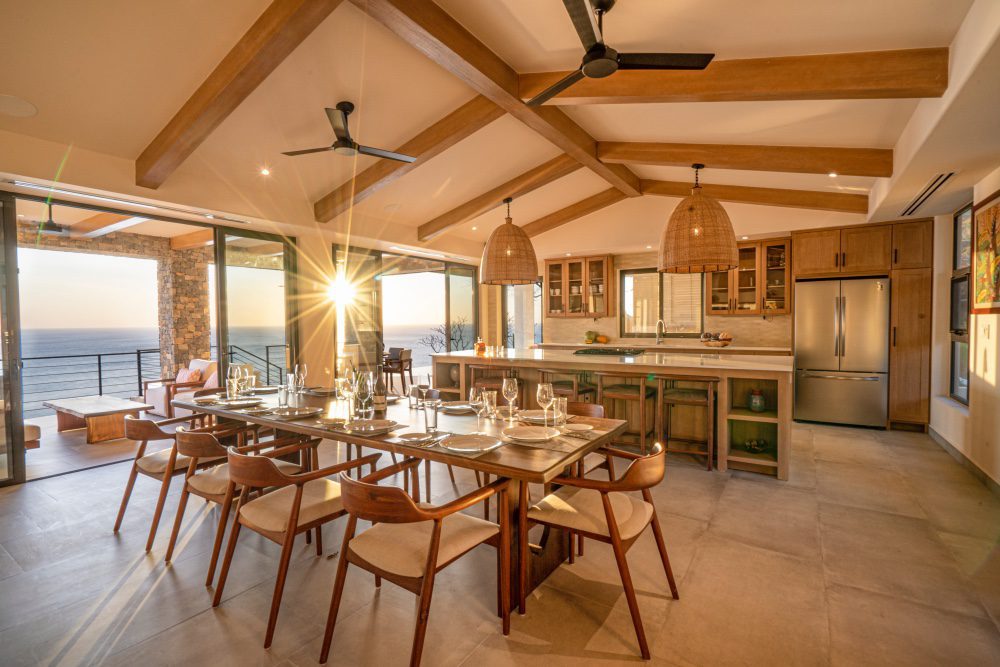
(581, 12)
(664, 60)
(308, 150)
(338, 119)
(555, 89)
(378, 152)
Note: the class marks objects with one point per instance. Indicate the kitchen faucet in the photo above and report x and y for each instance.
(661, 330)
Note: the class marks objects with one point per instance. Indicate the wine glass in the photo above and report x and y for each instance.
(545, 397)
(478, 406)
(424, 384)
(300, 376)
(489, 399)
(233, 382)
(509, 390)
(365, 392)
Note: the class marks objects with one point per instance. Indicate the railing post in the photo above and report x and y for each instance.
(100, 377)
(267, 362)
(138, 369)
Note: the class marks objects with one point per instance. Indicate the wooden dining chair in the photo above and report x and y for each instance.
(409, 543)
(581, 409)
(602, 510)
(212, 483)
(587, 463)
(161, 465)
(300, 503)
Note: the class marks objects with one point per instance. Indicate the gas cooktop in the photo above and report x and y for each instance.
(611, 351)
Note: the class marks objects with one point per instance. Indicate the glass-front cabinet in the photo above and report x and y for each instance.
(759, 283)
(578, 287)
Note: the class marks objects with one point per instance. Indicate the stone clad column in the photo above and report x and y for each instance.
(185, 325)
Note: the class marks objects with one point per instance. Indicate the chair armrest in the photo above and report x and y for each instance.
(468, 500)
(287, 448)
(611, 451)
(174, 420)
(391, 470)
(584, 483)
(164, 381)
(302, 478)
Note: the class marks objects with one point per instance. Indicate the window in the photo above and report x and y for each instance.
(959, 320)
(648, 296)
(522, 315)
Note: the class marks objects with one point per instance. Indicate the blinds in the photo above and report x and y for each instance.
(682, 305)
(648, 296)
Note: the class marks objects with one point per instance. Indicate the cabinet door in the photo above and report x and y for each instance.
(913, 244)
(746, 286)
(555, 300)
(774, 276)
(816, 252)
(719, 301)
(865, 249)
(910, 346)
(597, 286)
(576, 301)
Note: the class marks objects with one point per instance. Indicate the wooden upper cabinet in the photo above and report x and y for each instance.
(579, 287)
(865, 249)
(913, 244)
(816, 253)
(759, 284)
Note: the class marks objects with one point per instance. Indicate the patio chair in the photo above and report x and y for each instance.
(160, 393)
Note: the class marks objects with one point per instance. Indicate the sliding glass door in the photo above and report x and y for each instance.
(357, 298)
(463, 307)
(12, 468)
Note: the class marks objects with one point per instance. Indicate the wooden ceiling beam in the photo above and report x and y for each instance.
(274, 35)
(530, 180)
(442, 135)
(572, 212)
(793, 159)
(103, 223)
(429, 29)
(821, 201)
(905, 73)
(197, 239)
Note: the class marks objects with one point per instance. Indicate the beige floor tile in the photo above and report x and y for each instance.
(857, 451)
(747, 606)
(980, 561)
(873, 629)
(893, 554)
(8, 566)
(929, 465)
(967, 508)
(866, 487)
(770, 516)
(689, 491)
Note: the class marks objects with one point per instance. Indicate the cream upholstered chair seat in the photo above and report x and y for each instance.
(156, 462)
(214, 480)
(582, 509)
(401, 548)
(320, 497)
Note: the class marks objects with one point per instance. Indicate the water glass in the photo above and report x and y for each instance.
(342, 386)
(431, 416)
(283, 396)
(232, 388)
(489, 399)
(545, 396)
(291, 383)
(560, 405)
(300, 376)
(414, 397)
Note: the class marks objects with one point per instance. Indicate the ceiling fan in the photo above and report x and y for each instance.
(601, 60)
(345, 145)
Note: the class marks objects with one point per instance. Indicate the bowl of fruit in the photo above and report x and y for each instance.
(721, 339)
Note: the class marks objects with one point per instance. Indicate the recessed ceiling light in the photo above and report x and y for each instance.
(474, 228)
(264, 171)
(832, 174)
(209, 216)
(16, 107)
(568, 254)
(744, 238)
(649, 247)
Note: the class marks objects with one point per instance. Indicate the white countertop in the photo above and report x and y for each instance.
(649, 360)
(678, 344)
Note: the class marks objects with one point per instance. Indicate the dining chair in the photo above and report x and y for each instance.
(408, 544)
(161, 465)
(399, 360)
(582, 409)
(212, 483)
(298, 504)
(603, 510)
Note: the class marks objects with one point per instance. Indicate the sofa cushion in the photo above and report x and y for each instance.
(188, 375)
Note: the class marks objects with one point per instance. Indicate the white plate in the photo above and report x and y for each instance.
(457, 407)
(241, 403)
(392, 398)
(332, 421)
(578, 427)
(295, 413)
(265, 390)
(416, 438)
(470, 443)
(530, 433)
(370, 426)
(206, 400)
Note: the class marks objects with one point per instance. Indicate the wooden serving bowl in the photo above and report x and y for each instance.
(717, 343)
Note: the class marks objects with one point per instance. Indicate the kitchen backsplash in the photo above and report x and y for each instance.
(773, 331)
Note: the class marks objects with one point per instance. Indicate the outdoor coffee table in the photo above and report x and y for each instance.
(102, 416)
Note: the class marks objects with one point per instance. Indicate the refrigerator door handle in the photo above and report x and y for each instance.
(870, 378)
(836, 326)
(843, 327)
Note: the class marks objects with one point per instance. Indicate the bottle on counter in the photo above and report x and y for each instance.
(480, 346)
(379, 391)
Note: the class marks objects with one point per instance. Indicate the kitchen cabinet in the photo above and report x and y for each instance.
(913, 244)
(910, 346)
(578, 287)
(816, 253)
(861, 250)
(759, 284)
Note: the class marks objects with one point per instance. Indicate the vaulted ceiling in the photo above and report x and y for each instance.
(108, 80)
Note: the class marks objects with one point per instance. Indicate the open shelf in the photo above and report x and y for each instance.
(745, 414)
(751, 458)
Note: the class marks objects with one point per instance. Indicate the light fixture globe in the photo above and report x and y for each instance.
(698, 237)
(508, 258)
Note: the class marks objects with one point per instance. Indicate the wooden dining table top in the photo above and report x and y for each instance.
(534, 463)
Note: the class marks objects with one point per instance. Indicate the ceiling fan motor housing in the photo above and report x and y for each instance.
(600, 61)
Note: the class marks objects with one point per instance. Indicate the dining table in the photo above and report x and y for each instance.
(523, 463)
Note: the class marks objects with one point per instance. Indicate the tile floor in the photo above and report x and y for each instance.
(880, 550)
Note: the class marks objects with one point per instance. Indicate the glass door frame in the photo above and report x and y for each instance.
(377, 279)
(290, 258)
(11, 386)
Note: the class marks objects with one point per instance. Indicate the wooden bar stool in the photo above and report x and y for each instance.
(620, 390)
(485, 377)
(669, 396)
(574, 388)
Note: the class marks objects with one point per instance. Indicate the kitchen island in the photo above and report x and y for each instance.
(736, 375)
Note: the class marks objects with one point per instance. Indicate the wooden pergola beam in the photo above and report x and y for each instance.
(274, 35)
(197, 239)
(429, 29)
(442, 135)
(821, 201)
(530, 180)
(103, 223)
(793, 159)
(572, 212)
(837, 76)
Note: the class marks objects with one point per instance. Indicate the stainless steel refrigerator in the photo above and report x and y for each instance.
(842, 351)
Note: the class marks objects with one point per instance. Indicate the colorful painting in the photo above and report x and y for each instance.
(986, 256)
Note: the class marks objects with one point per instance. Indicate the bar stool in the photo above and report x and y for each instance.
(480, 380)
(575, 389)
(670, 395)
(620, 390)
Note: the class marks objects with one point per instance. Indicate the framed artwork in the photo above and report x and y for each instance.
(986, 256)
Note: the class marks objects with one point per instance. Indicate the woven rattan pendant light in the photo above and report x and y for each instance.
(508, 258)
(699, 237)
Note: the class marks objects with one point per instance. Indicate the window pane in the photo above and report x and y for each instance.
(682, 302)
(963, 239)
(461, 308)
(521, 303)
(960, 305)
(960, 371)
(640, 302)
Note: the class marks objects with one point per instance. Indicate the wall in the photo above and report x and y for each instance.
(773, 331)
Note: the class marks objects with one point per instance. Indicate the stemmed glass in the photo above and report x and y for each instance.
(233, 382)
(300, 376)
(509, 390)
(424, 385)
(478, 404)
(545, 397)
(365, 391)
(489, 399)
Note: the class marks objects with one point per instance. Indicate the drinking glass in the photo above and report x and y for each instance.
(478, 406)
(559, 413)
(300, 376)
(283, 396)
(424, 384)
(489, 399)
(290, 382)
(233, 382)
(509, 390)
(249, 380)
(343, 388)
(365, 392)
(412, 396)
(545, 396)
(431, 416)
